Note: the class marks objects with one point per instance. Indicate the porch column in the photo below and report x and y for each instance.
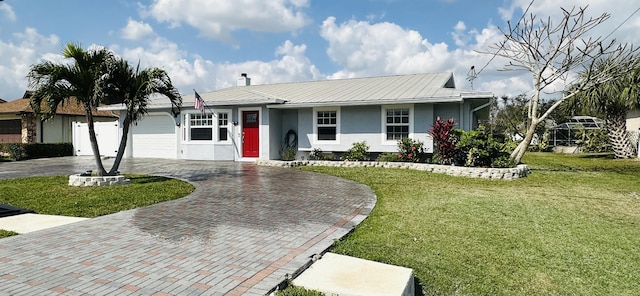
(29, 128)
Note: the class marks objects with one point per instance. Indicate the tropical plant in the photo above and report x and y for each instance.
(134, 87)
(357, 152)
(614, 99)
(55, 84)
(94, 77)
(593, 140)
(441, 132)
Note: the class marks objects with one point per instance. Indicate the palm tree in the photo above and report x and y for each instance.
(613, 99)
(134, 89)
(55, 84)
(96, 77)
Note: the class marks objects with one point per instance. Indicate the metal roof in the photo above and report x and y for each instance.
(398, 89)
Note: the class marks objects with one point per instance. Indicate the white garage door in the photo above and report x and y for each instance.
(154, 137)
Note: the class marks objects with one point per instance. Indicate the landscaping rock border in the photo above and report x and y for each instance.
(79, 180)
(519, 171)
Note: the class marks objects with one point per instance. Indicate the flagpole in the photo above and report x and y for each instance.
(202, 102)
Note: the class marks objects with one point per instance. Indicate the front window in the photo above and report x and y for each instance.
(223, 122)
(327, 123)
(397, 123)
(201, 127)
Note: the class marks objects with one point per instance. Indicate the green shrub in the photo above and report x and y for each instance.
(388, 157)
(40, 150)
(289, 147)
(357, 152)
(16, 151)
(316, 154)
(411, 151)
(20, 151)
(477, 148)
(289, 154)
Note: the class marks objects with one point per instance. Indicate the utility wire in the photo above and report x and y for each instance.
(502, 45)
(620, 25)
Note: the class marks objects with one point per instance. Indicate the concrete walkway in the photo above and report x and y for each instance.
(243, 230)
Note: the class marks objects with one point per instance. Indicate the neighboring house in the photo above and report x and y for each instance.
(248, 122)
(633, 121)
(18, 123)
(633, 128)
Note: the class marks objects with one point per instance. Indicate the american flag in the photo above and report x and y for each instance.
(199, 102)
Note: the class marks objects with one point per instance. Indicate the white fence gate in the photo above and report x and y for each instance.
(107, 134)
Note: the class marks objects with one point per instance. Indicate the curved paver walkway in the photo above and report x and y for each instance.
(241, 232)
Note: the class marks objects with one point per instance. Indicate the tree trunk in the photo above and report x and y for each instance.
(518, 153)
(617, 132)
(123, 144)
(94, 144)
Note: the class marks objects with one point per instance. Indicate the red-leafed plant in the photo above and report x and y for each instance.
(442, 133)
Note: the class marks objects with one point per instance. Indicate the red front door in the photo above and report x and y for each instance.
(250, 134)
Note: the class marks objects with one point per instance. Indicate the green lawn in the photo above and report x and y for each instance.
(570, 228)
(52, 195)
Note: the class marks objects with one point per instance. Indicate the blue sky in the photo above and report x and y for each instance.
(206, 44)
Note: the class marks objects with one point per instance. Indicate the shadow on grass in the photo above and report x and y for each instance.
(598, 156)
(147, 179)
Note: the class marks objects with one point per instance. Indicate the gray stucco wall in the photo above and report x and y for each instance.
(305, 128)
(446, 111)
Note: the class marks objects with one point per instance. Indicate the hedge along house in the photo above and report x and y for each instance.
(18, 123)
(249, 122)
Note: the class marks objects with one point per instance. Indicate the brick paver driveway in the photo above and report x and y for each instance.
(243, 230)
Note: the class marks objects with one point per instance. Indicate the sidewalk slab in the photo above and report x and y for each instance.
(342, 275)
(26, 223)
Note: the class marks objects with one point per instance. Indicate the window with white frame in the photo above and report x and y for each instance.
(397, 123)
(223, 126)
(326, 124)
(200, 127)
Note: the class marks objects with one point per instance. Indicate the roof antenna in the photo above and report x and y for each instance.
(472, 75)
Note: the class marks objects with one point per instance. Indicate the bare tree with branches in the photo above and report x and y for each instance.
(554, 53)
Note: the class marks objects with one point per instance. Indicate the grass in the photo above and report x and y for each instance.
(7, 233)
(52, 195)
(570, 228)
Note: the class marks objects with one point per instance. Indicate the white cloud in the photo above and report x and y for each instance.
(291, 64)
(135, 30)
(17, 57)
(364, 49)
(218, 19)
(618, 9)
(7, 11)
(192, 71)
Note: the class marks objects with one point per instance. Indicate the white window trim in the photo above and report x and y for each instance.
(383, 120)
(217, 126)
(186, 129)
(315, 125)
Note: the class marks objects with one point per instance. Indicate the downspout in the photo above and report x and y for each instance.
(462, 125)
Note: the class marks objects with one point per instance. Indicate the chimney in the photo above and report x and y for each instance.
(244, 80)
